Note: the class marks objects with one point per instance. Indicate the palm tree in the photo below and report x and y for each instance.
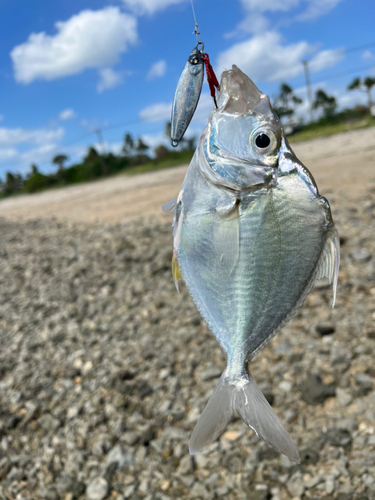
(13, 182)
(363, 86)
(91, 155)
(59, 160)
(141, 147)
(286, 101)
(326, 102)
(33, 171)
(128, 147)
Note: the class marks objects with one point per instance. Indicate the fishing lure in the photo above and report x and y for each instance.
(188, 91)
(189, 88)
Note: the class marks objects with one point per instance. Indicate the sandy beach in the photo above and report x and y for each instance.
(343, 163)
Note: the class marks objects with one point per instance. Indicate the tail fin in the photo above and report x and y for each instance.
(254, 410)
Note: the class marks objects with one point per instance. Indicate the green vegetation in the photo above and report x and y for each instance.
(174, 159)
(286, 102)
(342, 122)
(364, 85)
(135, 158)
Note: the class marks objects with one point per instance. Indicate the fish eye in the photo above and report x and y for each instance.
(264, 141)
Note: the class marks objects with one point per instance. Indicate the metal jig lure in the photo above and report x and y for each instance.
(189, 88)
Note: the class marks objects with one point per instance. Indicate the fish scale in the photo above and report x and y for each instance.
(251, 236)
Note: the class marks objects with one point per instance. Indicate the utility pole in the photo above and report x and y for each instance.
(102, 147)
(98, 132)
(308, 88)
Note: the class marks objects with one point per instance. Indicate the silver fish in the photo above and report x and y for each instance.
(188, 91)
(251, 237)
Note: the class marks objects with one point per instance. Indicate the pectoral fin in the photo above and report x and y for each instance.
(170, 206)
(329, 263)
(227, 237)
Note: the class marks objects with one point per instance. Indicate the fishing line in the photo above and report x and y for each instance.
(196, 31)
(211, 77)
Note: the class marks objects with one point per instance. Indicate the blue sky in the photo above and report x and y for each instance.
(70, 67)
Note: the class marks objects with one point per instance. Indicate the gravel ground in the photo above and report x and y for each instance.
(104, 370)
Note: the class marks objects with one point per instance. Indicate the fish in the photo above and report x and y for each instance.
(186, 98)
(251, 235)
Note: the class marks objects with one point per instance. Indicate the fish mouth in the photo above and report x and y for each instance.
(238, 93)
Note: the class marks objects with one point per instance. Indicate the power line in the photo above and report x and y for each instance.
(350, 49)
(360, 47)
(338, 75)
(346, 72)
(136, 122)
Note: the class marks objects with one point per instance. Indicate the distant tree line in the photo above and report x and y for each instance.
(136, 152)
(95, 165)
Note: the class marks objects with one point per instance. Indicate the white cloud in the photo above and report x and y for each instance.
(326, 59)
(92, 124)
(157, 70)
(344, 98)
(7, 154)
(150, 6)
(67, 114)
(161, 111)
(155, 140)
(263, 57)
(40, 154)
(203, 110)
(256, 22)
(109, 79)
(21, 161)
(317, 8)
(368, 56)
(269, 5)
(90, 39)
(37, 136)
(156, 112)
(111, 147)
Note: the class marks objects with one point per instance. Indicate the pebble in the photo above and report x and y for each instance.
(325, 329)
(285, 386)
(344, 398)
(119, 458)
(314, 392)
(296, 487)
(105, 369)
(360, 255)
(186, 465)
(49, 423)
(198, 491)
(364, 383)
(330, 485)
(97, 489)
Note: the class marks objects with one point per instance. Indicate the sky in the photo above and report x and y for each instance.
(69, 68)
